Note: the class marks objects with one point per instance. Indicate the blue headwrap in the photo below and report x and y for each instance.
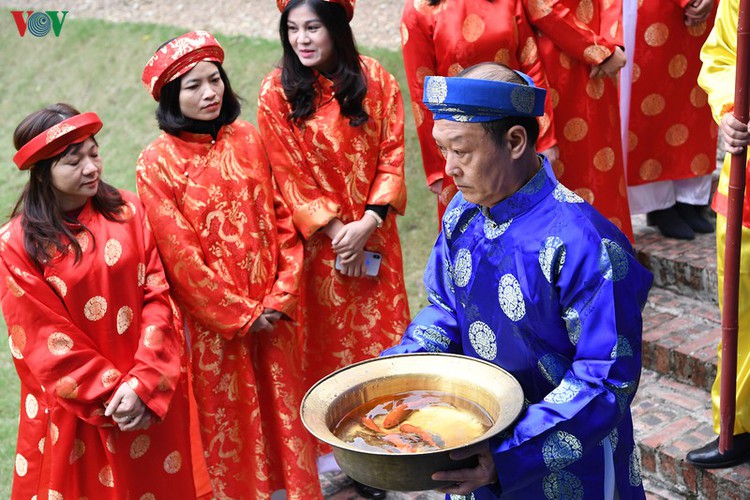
(470, 100)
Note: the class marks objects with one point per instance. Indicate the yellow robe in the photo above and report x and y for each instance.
(719, 56)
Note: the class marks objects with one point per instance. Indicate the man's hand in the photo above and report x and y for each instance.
(127, 409)
(611, 65)
(697, 11)
(735, 134)
(468, 480)
(266, 321)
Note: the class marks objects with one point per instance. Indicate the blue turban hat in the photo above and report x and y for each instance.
(470, 100)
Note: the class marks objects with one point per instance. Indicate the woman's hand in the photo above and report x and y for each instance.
(352, 238)
(467, 480)
(266, 321)
(735, 134)
(127, 409)
(611, 65)
(356, 266)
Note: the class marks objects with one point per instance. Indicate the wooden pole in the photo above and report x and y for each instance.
(735, 197)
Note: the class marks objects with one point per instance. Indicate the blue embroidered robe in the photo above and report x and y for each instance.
(544, 286)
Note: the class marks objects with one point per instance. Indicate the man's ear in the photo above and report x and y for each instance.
(517, 140)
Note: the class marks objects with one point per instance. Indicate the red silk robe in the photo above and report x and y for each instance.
(230, 251)
(328, 169)
(452, 36)
(78, 331)
(573, 36)
(671, 134)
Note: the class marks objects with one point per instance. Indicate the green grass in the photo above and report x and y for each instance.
(96, 66)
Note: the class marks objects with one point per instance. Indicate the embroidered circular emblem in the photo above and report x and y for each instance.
(124, 319)
(560, 450)
(59, 344)
(112, 252)
(552, 369)
(110, 376)
(79, 448)
(22, 465)
(54, 433)
(510, 297)
(565, 195)
(83, 240)
(462, 268)
(572, 325)
(622, 349)
(492, 229)
(140, 446)
(155, 280)
(483, 340)
(40, 445)
(141, 274)
(58, 284)
(32, 406)
(54, 495)
(634, 469)
(553, 252)
(463, 118)
(613, 261)
(522, 99)
(133, 383)
(565, 392)
(562, 484)
(153, 337)
(95, 308)
(437, 90)
(433, 338)
(17, 341)
(173, 462)
(450, 219)
(148, 496)
(110, 443)
(13, 286)
(106, 478)
(66, 388)
(164, 383)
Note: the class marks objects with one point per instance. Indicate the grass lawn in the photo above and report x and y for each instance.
(96, 66)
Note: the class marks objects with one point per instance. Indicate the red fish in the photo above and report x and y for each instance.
(421, 433)
(399, 442)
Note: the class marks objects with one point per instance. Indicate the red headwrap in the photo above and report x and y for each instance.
(348, 6)
(179, 56)
(55, 139)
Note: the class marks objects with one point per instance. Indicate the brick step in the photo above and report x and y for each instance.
(672, 418)
(680, 336)
(685, 267)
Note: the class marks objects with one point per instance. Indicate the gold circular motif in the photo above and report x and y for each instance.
(17, 341)
(604, 159)
(173, 462)
(544, 123)
(554, 97)
(32, 406)
(650, 170)
(576, 129)
(156, 280)
(404, 34)
(677, 135)
(565, 60)
(54, 495)
(585, 11)
(698, 29)
(539, 8)
(586, 194)
(67, 388)
(454, 69)
(422, 73)
(148, 496)
(502, 56)
(656, 35)
(13, 286)
(59, 344)
(95, 308)
(54, 433)
(141, 273)
(529, 53)
(698, 97)
(595, 54)
(139, 447)
(83, 240)
(164, 384)
(653, 104)
(106, 478)
(417, 113)
(110, 443)
(79, 448)
(677, 66)
(124, 319)
(636, 72)
(40, 445)
(153, 337)
(700, 164)
(595, 88)
(110, 376)
(632, 140)
(558, 167)
(133, 383)
(22, 465)
(472, 28)
(112, 252)
(58, 284)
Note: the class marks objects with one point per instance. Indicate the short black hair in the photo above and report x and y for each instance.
(170, 117)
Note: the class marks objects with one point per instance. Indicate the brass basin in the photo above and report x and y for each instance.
(331, 398)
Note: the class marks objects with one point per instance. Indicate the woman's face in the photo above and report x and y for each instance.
(201, 92)
(76, 176)
(310, 39)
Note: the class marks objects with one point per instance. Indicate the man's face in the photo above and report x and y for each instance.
(479, 167)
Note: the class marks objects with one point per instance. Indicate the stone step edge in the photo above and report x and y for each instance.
(684, 277)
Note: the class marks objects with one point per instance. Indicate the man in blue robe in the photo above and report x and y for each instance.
(528, 276)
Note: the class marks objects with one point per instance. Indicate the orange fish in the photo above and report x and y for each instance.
(370, 424)
(396, 416)
(421, 433)
(399, 442)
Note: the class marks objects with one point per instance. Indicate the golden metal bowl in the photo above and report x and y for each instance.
(331, 398)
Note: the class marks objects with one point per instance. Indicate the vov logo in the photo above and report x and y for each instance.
(39, 23)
